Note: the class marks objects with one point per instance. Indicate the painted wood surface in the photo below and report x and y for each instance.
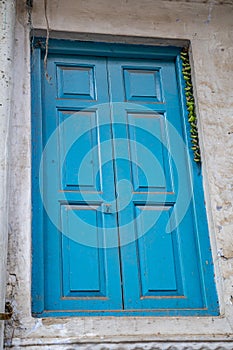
(113, 169)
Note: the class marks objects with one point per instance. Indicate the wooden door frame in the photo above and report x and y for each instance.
(111, 50)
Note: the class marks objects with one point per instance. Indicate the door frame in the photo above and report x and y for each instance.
(125, 51)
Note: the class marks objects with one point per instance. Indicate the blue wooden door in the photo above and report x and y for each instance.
(160, 264)
(119, 232)
(78, 184)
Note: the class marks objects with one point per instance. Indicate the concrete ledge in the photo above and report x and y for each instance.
(67, 344)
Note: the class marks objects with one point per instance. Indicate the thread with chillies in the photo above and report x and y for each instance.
(190, 103)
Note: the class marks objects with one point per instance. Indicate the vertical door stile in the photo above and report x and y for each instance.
(114, 158)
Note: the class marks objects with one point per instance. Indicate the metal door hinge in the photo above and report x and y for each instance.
(4, 316)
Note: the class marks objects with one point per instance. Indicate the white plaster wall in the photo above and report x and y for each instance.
(7, 21)
(209, 27)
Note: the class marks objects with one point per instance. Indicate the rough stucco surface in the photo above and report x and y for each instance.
(209, 27)
(7, 15)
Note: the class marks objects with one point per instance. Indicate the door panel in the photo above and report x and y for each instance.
(156, 253)
(148, 154)
(81, 153)
(142, 84)
(76, 81)
(84, 267)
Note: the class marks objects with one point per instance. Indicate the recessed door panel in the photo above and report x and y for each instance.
(142, 84)
(76, 81)
(148, 152)
(84, 266)
(157, 255)
(79, 154)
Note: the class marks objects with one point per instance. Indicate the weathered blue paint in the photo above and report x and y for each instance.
(158, 273)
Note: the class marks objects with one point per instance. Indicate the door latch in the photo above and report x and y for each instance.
(107, 208)
(4, 316)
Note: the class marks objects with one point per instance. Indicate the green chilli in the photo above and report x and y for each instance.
(190, 103)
